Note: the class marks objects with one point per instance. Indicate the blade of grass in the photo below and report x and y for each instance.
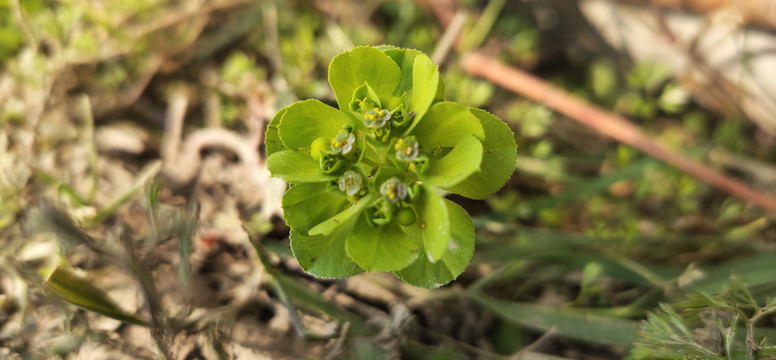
(290, 289)
(757, 271)
(85, 106)
(62, 187)
(477, 35)
(571, 323)
(80, 292)
(578, 189)
(186, 230)
(148, 173)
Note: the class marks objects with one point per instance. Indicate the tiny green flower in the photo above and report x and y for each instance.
(393, 190)
(343, 142)
(350, 182)
(407, 148)
(376, 118)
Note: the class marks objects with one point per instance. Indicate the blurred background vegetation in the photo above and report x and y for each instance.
(132, 186)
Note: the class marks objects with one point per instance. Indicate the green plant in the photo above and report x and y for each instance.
(720, 327)
(365, 179)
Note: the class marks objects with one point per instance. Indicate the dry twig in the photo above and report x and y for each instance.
(609, 124)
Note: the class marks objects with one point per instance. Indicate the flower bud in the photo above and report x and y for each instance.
(406, 216)
(318, 147)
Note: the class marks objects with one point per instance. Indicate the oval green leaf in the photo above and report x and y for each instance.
(445, 124)
(425, 83)
(434, 223)
(351, 69)
(305, 121)
(498, 159)
(462, 161)
(334, 222)
(295, 166)
(272, 142)
(458, 252)
(306, 205)
(380, 248)
(324, 256)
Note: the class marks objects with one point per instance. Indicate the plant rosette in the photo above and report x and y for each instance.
(366, 178)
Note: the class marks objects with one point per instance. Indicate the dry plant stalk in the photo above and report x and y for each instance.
(609, 124)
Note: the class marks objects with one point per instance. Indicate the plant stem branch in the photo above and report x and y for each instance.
(607, 123)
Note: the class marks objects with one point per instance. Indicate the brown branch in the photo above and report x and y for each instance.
(609, 124)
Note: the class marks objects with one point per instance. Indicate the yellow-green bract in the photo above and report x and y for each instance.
(366, 178)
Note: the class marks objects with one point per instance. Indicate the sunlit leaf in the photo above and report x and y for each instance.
(498, 159)
(380, 248)
(295, 166)
(349, 70)
(458, 252)
(446, 124)
(462, 161)
(308, 120)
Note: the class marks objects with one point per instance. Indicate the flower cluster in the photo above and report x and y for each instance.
(367, 178)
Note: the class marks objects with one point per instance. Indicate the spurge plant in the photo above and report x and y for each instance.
(366, 178)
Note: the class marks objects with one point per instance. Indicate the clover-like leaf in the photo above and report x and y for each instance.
(498, 159)
(325, 256)
(306, 205)
(295, 166)
(381, 248)
(462, 161)
(334, 222)
(445, 124)
(405, 58)
(272, 142)
(434, 223)
(308, 120)
(350, 70)
(458, 252)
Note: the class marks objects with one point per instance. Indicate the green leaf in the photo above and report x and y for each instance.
(380, 248)
(498, 159)
(351, 69)
(324, 256)
(434, 223)
(305, 121)
(567, 322)
(445, 124)
(405, 59)
(295, 166)
(331, 224)
(457, 165)
(79, 292)
(308, 204)
(272, 142)
(458, 252)
(425, 83)
(299, 291)
(419, 76)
